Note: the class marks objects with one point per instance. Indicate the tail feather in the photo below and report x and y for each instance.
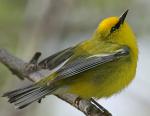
(24, 103)
(19, 91)
(22, 96)
(27, 95)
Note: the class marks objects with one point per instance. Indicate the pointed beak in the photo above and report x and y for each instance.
(121, 19)
(123, 16)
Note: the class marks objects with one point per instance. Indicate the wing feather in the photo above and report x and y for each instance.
(56, 59)
(83, 64)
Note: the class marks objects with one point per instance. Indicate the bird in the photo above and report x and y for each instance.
(98, 67)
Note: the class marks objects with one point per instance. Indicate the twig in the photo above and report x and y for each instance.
(20, 69)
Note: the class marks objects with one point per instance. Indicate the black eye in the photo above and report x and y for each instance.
(112, 29)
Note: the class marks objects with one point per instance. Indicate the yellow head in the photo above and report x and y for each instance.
(116, 29)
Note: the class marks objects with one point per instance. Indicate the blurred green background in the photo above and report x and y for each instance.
(27, 26)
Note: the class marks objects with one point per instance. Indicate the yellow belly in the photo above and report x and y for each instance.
(104, 80)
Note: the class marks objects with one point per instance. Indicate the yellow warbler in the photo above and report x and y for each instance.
(98, 67)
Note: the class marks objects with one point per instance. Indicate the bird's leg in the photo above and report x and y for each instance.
(100, 107)
(77, 101)
(33, 63)
(35, 58)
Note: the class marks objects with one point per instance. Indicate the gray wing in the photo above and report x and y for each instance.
(56, 59)
(83, 64)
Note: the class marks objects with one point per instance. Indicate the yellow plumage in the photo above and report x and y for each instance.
(98, 67)
(112, 77)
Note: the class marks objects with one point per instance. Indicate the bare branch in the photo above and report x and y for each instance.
(20, 69)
